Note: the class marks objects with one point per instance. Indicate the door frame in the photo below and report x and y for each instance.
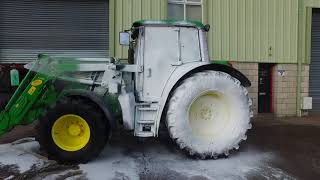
(270, 81)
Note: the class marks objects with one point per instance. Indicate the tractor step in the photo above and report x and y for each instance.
(146, 122)
(146, 126)
(145, 134)
(147, 108)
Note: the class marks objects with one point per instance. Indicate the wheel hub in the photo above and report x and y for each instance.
(74, 130)
(206, 113)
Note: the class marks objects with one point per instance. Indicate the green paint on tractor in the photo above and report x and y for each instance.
(190, 23)
(38, 90)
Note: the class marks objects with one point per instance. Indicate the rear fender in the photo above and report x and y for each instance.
(185, 71)
(245, 82)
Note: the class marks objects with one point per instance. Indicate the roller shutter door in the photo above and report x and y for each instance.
(314, 85)
(77, 28)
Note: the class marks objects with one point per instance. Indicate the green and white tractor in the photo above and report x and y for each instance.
(167, 78)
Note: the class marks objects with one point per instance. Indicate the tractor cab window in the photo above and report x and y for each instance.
(189, 44)
(133, 45)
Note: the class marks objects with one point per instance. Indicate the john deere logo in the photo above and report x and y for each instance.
(36, 82)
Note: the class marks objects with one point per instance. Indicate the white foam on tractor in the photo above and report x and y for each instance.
(218, 110)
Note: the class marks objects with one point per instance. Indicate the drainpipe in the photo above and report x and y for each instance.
(299, 114)
(301, 33)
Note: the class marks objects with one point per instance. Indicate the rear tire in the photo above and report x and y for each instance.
(209, 114)
(73, 131)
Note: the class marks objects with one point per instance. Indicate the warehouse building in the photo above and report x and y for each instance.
(276, 43)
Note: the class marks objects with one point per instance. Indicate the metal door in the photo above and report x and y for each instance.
(314, 88)
(160, 57)
(265, 86)
(62, 27)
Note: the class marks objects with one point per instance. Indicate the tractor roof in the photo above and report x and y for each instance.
(188, 23)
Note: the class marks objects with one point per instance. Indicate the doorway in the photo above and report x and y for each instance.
(265, 88)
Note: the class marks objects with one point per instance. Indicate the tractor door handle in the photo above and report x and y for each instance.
(149, 73)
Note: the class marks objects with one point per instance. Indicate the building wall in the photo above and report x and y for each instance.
(275, 31)
(242, 30)
(124, 12)
(253, 30)
(285, 88)
(304, 30)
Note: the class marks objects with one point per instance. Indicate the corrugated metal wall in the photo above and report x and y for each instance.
(242, 30)
(124, 12)
(305, 24)
(314, 90)
(76, 28)
(253, 30)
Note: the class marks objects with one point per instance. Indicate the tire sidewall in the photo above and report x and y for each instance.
(98, 133)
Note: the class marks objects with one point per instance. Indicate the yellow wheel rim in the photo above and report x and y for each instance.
(70, 132)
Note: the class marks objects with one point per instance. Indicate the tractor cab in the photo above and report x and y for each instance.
(184, 39)
(160, 47)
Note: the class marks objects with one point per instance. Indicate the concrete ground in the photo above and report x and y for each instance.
(286, 148)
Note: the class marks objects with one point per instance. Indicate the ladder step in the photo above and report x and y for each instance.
(145, 134)
(147, 109)
(146, 122)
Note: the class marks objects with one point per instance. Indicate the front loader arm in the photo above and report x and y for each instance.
(22, 108)
(39, 88)
(36, 91)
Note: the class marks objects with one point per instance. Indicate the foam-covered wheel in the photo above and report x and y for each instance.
(209, 114)
(75, 130)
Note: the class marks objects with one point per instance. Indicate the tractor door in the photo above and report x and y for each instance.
(159, 54)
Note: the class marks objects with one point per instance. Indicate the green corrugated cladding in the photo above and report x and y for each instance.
(275, 31)
(124, 12)
(253, 30)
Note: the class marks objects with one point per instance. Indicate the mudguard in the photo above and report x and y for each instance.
(245, 82)
(97, 100)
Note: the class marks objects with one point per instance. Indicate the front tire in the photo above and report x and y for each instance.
(209, 114)
(73, 131)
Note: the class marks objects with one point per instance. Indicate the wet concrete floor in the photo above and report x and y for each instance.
(295, 141)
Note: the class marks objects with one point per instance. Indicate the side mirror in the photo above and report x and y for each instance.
(124, 38)
(207, 27)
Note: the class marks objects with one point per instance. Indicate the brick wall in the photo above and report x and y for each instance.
(305, 81)
(251, 71)
(285, 88)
